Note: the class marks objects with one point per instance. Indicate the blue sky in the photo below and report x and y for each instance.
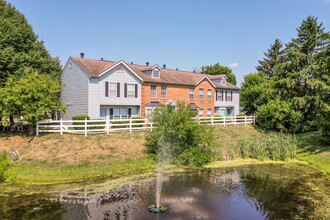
(183, 34)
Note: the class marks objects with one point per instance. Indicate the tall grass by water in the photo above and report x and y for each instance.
(261, 146)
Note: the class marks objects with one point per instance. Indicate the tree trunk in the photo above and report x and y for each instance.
(11, 118)
(0, 124)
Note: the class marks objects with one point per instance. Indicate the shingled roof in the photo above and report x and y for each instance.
(167, 76)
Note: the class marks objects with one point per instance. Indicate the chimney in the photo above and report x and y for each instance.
(82, 55)
(194, 71)
(147, 63)
(164, 66)
(177, 69)
(131, 62)
(101, 58)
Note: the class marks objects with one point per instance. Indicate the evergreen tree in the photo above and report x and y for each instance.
(273, 57)
(217, 69)
(20, 47)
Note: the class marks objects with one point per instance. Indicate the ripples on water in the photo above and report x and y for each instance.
(249, 192)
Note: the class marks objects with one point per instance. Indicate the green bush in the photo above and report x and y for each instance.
(96, 123)
(178, 138)
(118, 124)
(279, 115)
(137, 121)
(80, 117)
(4, 164)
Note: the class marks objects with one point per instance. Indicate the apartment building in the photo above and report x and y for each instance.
(108, 89)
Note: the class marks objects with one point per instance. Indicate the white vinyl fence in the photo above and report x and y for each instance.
(113, 125)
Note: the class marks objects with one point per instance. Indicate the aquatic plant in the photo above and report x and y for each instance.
(264, 145)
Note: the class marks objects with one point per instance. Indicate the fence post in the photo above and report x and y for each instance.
(245, 120)
(130, 124)
(85, 126)
(254, 120)
(151, 126)
(107, 124)
(61, 126)
(37, 130)
(211, 120)
(224, 120)
(235, 119)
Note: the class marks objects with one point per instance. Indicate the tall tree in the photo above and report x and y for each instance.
(273, 57)
(217, 69)
(20, 47)
(33, 96)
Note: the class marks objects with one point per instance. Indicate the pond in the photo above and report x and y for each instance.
(267, 191)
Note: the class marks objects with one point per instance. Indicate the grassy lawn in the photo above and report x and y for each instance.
(313, 152)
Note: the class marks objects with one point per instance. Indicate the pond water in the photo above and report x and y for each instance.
(268, 191)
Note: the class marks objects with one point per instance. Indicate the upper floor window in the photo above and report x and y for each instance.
(70, 65)
(164, 92)
(230, 96)
(113, 89)
(153, 91)
(223, 81)
(209, 94)
(219, 95)
(201, 94)
(155, 73)
(130, 90)
(191, 94)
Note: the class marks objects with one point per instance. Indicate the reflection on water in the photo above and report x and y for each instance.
(249, 192)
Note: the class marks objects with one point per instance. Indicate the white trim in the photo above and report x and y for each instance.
(207, 79)
(126, 66)
(171, 102)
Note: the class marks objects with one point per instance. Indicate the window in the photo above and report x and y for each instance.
(219, 95)
(153, 91)
(70, 65)
(229, 98)
(201, 112)
(209, 94)
(113, 89)
(155, 73)
(124, 113)
(201, 94)
(164, 92)
(191, 94)
(130, 90)
(103, 112)
(223, 81)
(116, 113)
(209, 112)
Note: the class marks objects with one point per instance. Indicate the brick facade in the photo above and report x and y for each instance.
(176, 93)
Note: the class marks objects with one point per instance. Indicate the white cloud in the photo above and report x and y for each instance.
(233, 65)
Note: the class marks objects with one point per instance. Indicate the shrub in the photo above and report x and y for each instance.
(178, 138)
(80, 117)
(279, 115)
(96, 123)
(4, 164)
(137, 121)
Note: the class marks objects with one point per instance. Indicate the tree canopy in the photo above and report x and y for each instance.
(290, 91)
(20, 47)
(217, 69)
(29, 77)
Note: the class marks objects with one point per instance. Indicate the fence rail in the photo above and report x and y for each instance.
(113, 125)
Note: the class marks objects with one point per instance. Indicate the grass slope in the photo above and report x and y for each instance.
(52, 158)
(313, 152)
